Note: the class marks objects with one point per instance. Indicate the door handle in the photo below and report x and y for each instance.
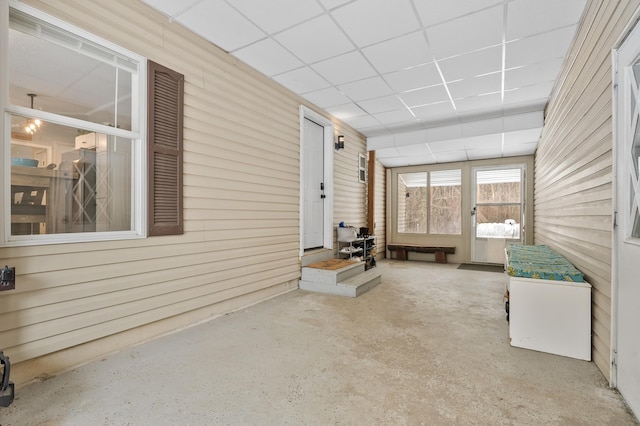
(473, 211)
(321, 186)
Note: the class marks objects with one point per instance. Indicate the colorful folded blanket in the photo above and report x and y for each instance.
(540, 262)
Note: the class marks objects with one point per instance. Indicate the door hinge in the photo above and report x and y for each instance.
(615, 220)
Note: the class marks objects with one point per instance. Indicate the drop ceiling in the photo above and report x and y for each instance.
(427, 81)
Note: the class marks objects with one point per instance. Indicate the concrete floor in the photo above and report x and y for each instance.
(427, 346)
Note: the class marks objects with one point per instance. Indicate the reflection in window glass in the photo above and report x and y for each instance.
(412, 202)
(70, 75)
(446, 202)
(84, 188)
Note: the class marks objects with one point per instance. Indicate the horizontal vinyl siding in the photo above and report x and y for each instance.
(241, 204)
(573, 163)
(350, 194)
(381, 208)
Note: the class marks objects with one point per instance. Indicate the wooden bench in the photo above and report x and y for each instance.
(402, 250)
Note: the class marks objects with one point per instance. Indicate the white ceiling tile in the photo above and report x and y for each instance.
(434, 112)
(383, 104)
(491, 102)
(532, 74)
(528, 120)
(442, 133)
(399, 53)
(368, 22)
(544, 47)
(345, 69)
(520, 149)
(451, 156)
(493, 141)
(171, 7)
(276, 15)
(316, 40)
(426, 96)
(393, 117)
(268, 57)
(331, 4)
(380, 142)
(346, 111)
(364, 121)
(490, 83)
(302, 80)
(327, 97)
(410, 138)
(526, 17)
(537, 91)
(446, 146)
(223, 25)
(394, 161)
(387, 152)
(414, 78)
(522, 137)
(369, 88)
(472, 64)
(415, 160)
(447, 40)
(482, 154)
(436, 11)
(410, 150)
(483, 127)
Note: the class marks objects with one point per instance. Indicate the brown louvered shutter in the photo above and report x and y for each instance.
(166, 95)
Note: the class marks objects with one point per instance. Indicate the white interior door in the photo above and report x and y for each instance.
(313, 181)
(626, 295)
(497, 212)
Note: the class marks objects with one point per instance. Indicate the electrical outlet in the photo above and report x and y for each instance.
(7, 278)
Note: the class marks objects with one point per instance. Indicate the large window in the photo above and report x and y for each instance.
(430, 202)
(75, 112)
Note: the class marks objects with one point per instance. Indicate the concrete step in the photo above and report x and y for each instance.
(362, 283)
(352, 286)
(332, 277)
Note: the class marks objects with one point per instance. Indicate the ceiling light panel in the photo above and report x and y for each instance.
(346, 111)
(368, 22)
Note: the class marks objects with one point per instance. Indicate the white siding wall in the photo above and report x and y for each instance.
(380, 209)
(573, 163)
(241, 208)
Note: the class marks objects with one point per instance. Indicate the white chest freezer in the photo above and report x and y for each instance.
(550, 316)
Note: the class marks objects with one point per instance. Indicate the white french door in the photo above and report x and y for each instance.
(497, 211)
(626, 267)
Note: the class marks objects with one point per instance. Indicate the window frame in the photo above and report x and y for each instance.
(137, 135)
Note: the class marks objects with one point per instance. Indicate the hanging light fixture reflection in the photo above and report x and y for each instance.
(33, 124)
